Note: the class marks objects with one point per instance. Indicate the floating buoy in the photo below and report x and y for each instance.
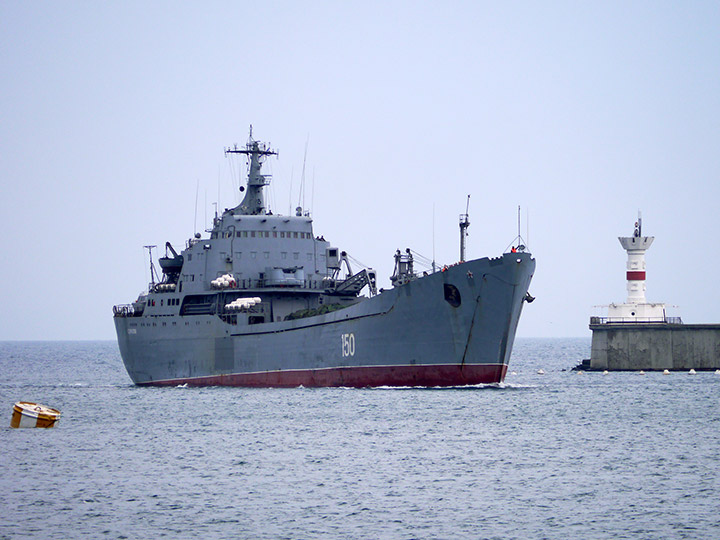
(666, 372)
(691, 372)
(605, 372)
(642, 372)
(541, 371)
(27, 414)
(580, 372)
(717, 371)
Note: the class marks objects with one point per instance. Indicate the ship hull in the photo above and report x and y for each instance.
(449, 328)
(354, 377)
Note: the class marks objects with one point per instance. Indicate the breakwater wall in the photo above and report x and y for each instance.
(654, 346)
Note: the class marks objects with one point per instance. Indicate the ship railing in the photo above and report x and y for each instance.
(635, 320)
(252, 284)
(304, 284)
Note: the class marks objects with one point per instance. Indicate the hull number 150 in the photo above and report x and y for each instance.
(348, 345)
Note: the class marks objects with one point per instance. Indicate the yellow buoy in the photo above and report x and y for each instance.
(27, 414)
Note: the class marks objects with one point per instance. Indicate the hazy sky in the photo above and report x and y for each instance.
(112, 114)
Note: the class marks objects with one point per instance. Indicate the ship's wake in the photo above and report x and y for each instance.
(466, 387)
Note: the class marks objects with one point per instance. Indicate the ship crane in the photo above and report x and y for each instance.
(404, 271)
(353, 283)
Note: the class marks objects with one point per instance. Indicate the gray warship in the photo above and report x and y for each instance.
(264, 302)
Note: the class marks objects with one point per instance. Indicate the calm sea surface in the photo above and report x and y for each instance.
(560, 455)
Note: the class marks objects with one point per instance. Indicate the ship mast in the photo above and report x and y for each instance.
(254, 201)
(152, 267)
(464, 224)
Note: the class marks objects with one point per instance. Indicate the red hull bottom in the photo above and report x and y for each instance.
(355, 377)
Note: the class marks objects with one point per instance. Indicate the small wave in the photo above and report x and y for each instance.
(517, 386)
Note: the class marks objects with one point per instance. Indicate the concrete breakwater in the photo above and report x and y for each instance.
(653, 346)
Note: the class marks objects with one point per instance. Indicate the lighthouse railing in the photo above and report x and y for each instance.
(635, 320)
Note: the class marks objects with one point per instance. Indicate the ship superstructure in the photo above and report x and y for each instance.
(264, 301)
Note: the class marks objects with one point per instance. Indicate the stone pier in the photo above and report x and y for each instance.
(648, 346)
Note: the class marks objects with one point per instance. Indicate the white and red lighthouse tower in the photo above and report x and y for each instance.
(636, 308)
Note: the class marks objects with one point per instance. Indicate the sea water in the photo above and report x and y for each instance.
(556, 455)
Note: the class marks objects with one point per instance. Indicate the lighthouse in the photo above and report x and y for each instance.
(638, 335)
(636, 308)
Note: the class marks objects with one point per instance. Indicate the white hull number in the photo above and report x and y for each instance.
(348, 345)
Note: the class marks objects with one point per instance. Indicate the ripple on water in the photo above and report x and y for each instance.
(551, 456)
